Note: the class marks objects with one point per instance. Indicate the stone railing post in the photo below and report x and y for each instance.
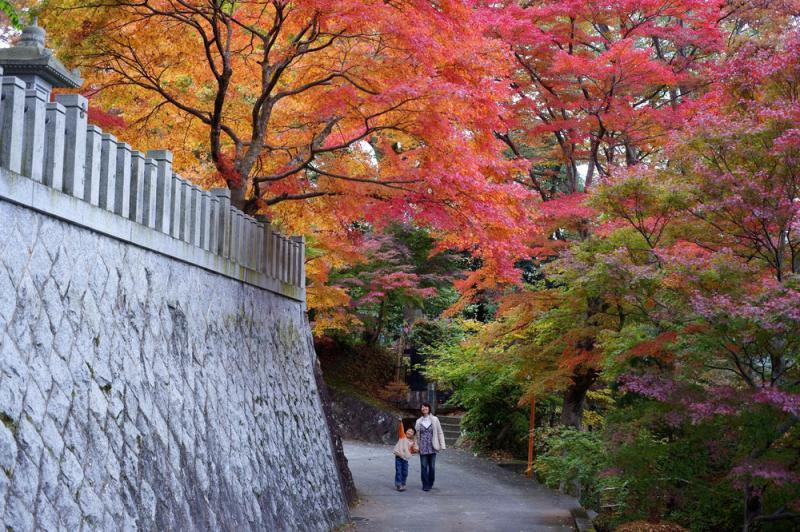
(33, 142)
(178, 210)
(266, 261)
(75, 121)
(243, 226)
(295, 261)
(258, 249)
(275, 254)
(250, 242)
(91, 176)
(261, 252)
(287, 260)
(213, 224)
(150, 192)
(136, 206)
(122, 194)
(205, 220)
(197, 209)
(108, 171)
(13, 103)
(300, 260)
(189, 217)
(245, 249)
(290, 260)
(164, 186)
(234, 245)
(282, 258)
(236, 235)
(255, 243)
(223, 230)
(258, 244)
(181, 212)
(55, 116)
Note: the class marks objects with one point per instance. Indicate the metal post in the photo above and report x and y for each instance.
(529, 471)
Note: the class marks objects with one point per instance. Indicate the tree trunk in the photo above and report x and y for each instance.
(238, 198)
(375, 335)
(752, 506)
(575, 398)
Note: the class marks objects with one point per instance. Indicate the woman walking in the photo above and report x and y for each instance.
(430, 440)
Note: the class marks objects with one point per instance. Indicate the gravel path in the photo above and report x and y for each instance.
(470, 494)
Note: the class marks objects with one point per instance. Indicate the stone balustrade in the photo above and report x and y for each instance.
(86, 171)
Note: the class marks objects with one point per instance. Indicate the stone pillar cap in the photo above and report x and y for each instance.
(30, 58)
(33, 36)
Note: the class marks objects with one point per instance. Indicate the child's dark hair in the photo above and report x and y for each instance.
(411, 429)
(426, 404)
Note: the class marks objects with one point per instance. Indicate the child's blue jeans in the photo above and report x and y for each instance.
(400, 471)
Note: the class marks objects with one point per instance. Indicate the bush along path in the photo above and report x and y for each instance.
(470, 493)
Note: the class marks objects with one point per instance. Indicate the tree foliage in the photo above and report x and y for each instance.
(673, 280)
(7, 9)
(320, 113)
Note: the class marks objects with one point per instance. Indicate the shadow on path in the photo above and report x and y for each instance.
(470, 494)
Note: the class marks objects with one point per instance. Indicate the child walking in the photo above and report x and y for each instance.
(402, 453)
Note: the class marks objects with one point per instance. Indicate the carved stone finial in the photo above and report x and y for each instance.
(36, 65)
(33, 36)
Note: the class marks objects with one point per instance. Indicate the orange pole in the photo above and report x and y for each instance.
(529, 471)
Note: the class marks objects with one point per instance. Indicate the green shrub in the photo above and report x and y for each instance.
(571, 460)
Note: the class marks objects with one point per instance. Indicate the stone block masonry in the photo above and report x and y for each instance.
(142, 392)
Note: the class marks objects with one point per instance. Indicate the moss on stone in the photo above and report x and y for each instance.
(8, 422)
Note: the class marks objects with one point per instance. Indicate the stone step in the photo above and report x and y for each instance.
(451, 435)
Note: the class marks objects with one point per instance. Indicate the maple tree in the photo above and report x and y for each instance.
(597, 84)
(737, 168)
(692, 271)
(673, 280)
(396, 282)
(321, 113)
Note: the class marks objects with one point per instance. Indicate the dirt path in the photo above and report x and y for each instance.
(470, 494)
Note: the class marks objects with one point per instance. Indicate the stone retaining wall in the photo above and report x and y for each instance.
(138, 391)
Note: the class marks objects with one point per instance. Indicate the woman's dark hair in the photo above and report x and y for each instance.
(426, 404)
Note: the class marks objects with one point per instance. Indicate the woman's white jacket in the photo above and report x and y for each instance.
(438, 433)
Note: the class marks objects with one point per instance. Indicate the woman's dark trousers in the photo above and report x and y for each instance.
(427, 464)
